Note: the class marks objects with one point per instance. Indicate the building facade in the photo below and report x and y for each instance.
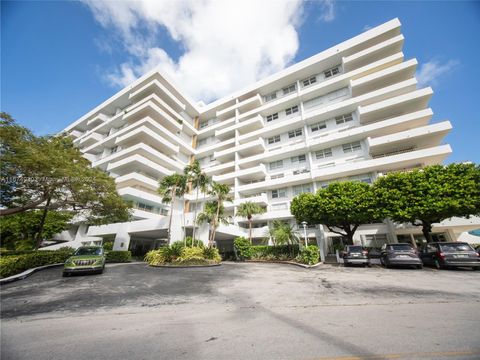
(354, 111)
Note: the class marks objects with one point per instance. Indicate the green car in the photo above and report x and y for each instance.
(85, 259)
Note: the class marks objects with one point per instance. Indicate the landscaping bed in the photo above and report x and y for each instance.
(183, 254)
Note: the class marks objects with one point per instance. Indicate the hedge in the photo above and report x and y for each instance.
(276, 251)
(15, 264)
(118, 256)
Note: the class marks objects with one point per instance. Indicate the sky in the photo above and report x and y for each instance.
(60, 59)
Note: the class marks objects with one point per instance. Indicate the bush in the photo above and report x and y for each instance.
(212, 254)
(178, 254)
(277, 252)
(308, 255)
(15, 264)
(242, 248)
(198, 243)
(108, 245)
(118, 256)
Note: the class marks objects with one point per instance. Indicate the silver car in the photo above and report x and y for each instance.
(401, 254)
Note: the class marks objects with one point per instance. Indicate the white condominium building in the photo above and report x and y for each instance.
(354, 111)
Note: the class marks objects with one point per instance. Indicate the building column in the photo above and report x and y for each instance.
(321, 242)
(177, 221)
(122, 241)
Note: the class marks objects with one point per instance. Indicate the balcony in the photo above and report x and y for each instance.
(422, 137)
(149, 137)
(97, 120)
(91, 139)
(257, 172)
(245, 105)
(248, 149)
(156, 86)
(138, 163)
(245, 126)
(152, 110)
(261, 199)
(429, 156)
(135, 178)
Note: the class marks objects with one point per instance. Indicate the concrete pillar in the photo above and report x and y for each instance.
(177, 221)
(81, 232)
(202, 233)
(391, 230)
(122, 241)
(321, 242)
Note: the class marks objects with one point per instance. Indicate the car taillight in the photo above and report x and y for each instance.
(441, 255)
(364, 252)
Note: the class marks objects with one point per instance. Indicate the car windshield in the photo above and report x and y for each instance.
(453, 247)
(401, 247)
(355, 248)
(88, 251)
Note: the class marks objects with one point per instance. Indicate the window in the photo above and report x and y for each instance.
(276, 164)
(332, 72)
(351, 147)
(309, 81)
(114, 150)
(291, 110)
(212, 158)
(277, 176)
(342, 119)
(289, 89)
(295, 133)
(272, 117)
(271, 96)
(298, 159)
(300, 189)
(337, 94)
(324, 153)
(318, 126)
(279, 193)
(203, 124)
(362, 178)
(274, 139)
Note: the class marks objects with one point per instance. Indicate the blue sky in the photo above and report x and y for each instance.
(61, 59)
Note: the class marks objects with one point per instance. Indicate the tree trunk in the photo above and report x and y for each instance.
(19, 209)
(250, 229)
(42, 224)
(171, 216)
(215, 222)
(195, 218)
(427, 231)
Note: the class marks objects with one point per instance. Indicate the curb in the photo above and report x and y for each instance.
(184, 267)
(284, 262)
(26, 273)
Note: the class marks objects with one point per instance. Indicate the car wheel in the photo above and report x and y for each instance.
(65, 274)
(437, 264)
(387, 264)
(382, 261)
(420, 267)
(475, 268)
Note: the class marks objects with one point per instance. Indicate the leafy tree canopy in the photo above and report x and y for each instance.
(19, 230)
(342, 207)
(37, 171)
(430, 195)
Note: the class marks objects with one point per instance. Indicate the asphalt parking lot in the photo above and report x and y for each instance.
(243, 311)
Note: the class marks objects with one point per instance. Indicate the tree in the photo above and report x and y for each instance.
(430, 195)
(221, 193)
(199, 181)
(342, 207)
(284, 234)
(49, 173)
(248, 209)
(19, 231)
(170, 188)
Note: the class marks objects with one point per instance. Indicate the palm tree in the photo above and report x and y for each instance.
(213, 214)
(248, 209)
(170, 188)
(284, 234)
(199, 181)
(221, 194)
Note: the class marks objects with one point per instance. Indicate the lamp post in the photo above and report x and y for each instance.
(304, 223)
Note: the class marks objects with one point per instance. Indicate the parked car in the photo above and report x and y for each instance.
(401, 254)
(355, 255)
(450, 254)
(85, 259)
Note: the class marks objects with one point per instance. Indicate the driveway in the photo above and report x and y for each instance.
(243, 311)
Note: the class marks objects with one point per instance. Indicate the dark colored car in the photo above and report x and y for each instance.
(401, 254)
(355, 255)
(85, 259)
(450, 254)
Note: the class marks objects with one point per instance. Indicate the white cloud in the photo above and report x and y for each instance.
(226, 44)
(328, 11)
(431, 72)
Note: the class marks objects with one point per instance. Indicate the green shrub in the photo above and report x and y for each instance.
(177, 248)
(198, 243)
(15, 264)
(277, 252)
(308, 255)
(108, 245)
(242, 248)
(212, 254)
(118, 256)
